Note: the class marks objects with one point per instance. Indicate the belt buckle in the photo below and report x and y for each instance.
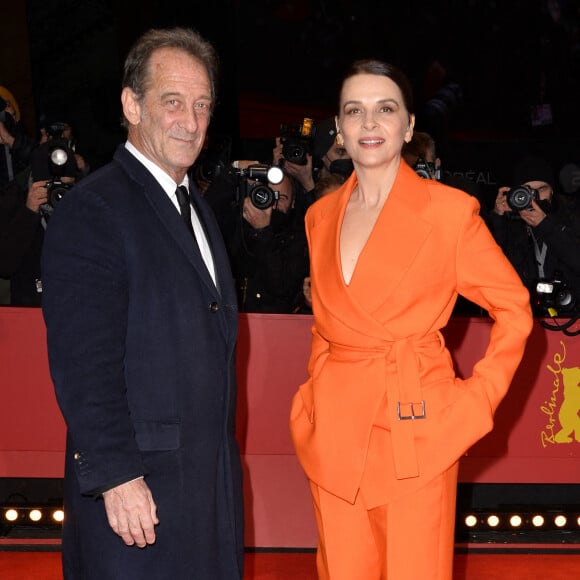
(411, 415)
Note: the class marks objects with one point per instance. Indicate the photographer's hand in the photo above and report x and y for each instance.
(37, 195)
(277, 155)
(307, 291)
(533, 216)
(6, 138)
(257, 218)
(501, 204)
(302, 173)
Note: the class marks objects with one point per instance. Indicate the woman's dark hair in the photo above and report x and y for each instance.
(136, 70)
(385, 69)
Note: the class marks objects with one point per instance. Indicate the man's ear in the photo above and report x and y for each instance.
(131, 106)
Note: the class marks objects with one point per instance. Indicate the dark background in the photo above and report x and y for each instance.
(477, 66)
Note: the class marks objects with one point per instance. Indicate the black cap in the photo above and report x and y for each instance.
(533, 168)
(324, 137)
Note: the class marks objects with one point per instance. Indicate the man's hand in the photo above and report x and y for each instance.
(307, 291)
(37, 195)
(501, 204)
(132, 513)
(6, 137)
(257, 218)
(302, 173)
(534, 215)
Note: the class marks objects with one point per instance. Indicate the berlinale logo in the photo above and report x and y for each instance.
(563, 407)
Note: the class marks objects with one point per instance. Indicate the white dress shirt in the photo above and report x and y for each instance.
(169, 186)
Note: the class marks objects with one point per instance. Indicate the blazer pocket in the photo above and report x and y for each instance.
(157, 435)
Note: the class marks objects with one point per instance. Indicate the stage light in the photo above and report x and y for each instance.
(515, 521)
(578, 521)
(470, 521)
(560, 521)
(11, 515)
(58, 516)
(35, 515)
(538, 521)
(492, 521)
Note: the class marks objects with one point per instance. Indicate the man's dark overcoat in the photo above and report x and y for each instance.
(142, 354)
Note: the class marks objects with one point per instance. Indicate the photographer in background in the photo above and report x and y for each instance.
(541, 241)
(63, 131)
(421, 154)
(309, 159)
(264, 235)
(15, 145)
(24, 215)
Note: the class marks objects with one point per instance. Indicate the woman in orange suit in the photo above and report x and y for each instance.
(382, 420)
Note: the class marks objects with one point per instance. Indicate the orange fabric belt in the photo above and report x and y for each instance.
(405, 403)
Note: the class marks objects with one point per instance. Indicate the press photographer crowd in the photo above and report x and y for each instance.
(260, 205)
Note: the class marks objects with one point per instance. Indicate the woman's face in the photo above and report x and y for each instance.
(373, 120)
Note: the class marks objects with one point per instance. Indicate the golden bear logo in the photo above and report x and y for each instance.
(568, 414)
(563, 406)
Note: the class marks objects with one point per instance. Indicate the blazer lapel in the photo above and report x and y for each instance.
(397, 237)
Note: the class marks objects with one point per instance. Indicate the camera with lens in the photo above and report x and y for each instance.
(297, 141)
(252, 182)
(521, 197)
(555, 297)
(52, 161)
(425, 169)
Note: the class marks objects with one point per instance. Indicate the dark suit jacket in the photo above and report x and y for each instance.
(141, 349)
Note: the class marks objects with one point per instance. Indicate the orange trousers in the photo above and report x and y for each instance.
(411, 538)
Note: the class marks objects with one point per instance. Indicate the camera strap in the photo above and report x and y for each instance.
(8, 158)
(540, 252)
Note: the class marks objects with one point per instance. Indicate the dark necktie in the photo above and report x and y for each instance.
(184, 207)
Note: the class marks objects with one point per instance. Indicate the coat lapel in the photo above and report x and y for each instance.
(169, 216)
(400, 231)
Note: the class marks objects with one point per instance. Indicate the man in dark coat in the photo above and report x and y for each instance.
(142, 319)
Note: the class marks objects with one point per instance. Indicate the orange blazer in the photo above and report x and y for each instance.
(382, 410)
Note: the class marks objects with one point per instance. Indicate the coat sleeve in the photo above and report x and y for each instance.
(85, 297)
(563, 241)
(486, 277)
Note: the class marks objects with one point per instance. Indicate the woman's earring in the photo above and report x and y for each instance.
(339, 139)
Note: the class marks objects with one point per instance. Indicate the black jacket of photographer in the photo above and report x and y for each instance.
(19, 228)
(560, 230)
(22, 230)
(268, 264)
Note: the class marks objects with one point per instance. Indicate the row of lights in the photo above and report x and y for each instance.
(32, 515)
(514, 521)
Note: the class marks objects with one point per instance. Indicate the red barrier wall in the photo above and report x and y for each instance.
(528, 444)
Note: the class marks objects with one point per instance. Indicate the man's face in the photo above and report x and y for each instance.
(544, 189)
(168, 125)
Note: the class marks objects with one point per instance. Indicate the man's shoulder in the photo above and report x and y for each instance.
(109, 181)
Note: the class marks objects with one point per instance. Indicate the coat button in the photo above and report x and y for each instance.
(214, 307)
